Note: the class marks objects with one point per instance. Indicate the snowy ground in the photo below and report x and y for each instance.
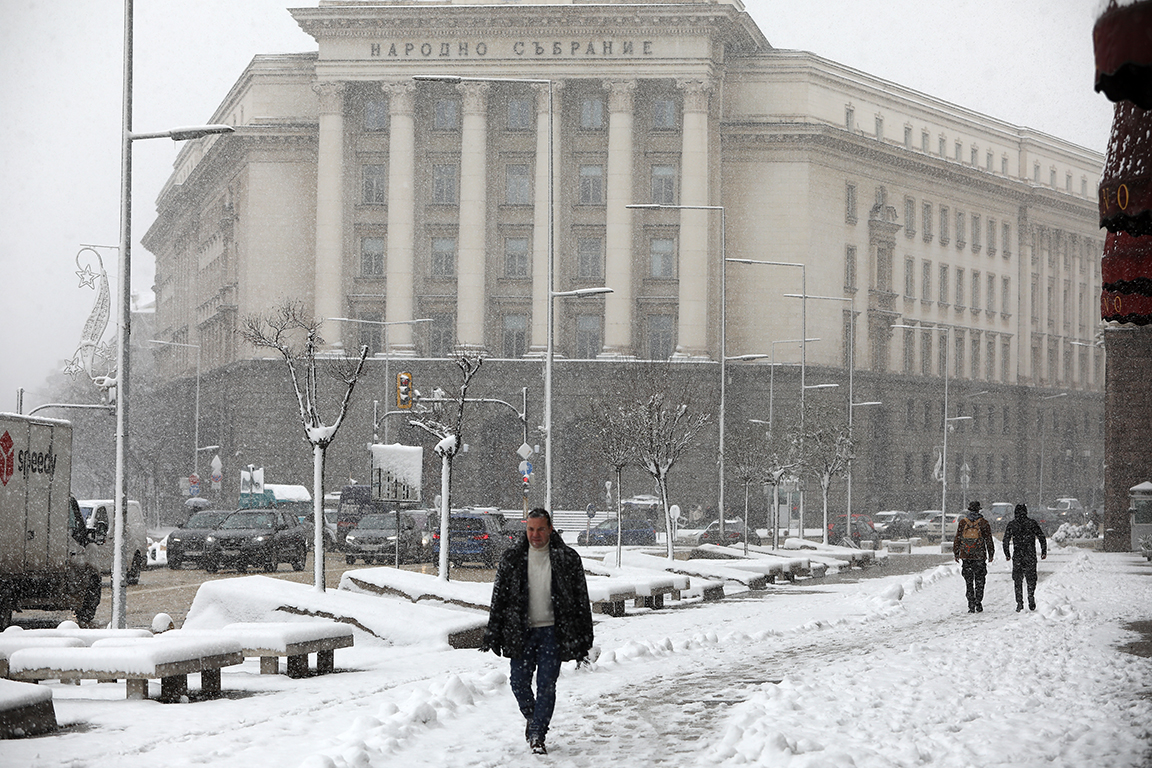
(890, 671)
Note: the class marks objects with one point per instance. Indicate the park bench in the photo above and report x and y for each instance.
(649, 586)
(269, 641)
(794, 564)
(25, 710)
(703, 569)
(134, 660)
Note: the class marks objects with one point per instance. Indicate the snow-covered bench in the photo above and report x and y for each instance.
(271, 640)
(8, 645)
(649, 587)
(794, 564)
(814, 549)
(608, 594)
(134, 660)
(25, 710)
(704, 569)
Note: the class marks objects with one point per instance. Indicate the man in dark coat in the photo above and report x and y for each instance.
(1022, 533)
(540, 617)
(973, 540)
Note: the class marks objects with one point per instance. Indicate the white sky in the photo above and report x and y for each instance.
(1028, 62)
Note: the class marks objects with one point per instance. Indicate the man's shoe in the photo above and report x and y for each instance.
(971, 608)
(528, 727)
(1019, 607)
(1031, 605)
(538, 747)
(979, 607)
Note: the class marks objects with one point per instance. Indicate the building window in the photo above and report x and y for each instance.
(943, 145)
(990, 368)
(988, 162)
(591, 185)
(991, 237)
(850, 268)
(850, 204)
(441, 335)
(849, 118)
(445, 115)
(369, 331)
(959, 353)
(944, 238)
(515, 336)
(926, 220)
(376, 115)
(1052, 178)
(519, 190)
(959, 286)
(1004, 165)
(944, 271)
(908, 137)
(515, 257)
(926, 353)
(960, 229)
(519, 114)
(1036, 173)
(1006, 239)
(664, 184)
(375, 184)
(991, 306)
(589, 257)
(372, 257)
(909, 217)
(661, 337)
(588, 343)
(592, 114)
(926, 280)
(975, 155)
(957, 150)
(444, 184)
(975, 355)
(909, 351)
(909, 277)
(662, 252)
(1083, 187)
(663, 115)
(975, 290)
(976, 234)
(879, 128)
(443, 257)
(1005, 295)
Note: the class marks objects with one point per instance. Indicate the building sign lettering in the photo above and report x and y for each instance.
(524, 49)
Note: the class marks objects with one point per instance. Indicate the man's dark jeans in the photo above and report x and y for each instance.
(1024, 570)
(975, 571)
(542, 657)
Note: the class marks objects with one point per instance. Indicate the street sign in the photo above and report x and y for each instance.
(193, 484)
(525, 468)
(524, 451)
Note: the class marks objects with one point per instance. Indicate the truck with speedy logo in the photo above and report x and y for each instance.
(45, 562)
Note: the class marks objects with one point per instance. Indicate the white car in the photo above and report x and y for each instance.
(931, 529)
(98, 515)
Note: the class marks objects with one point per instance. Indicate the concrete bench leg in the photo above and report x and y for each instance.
(269, 665)
(210, 681)
(298, 665)
(325, 662)
(173, 688)
(136, 689)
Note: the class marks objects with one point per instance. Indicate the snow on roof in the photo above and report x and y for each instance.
(288, 492)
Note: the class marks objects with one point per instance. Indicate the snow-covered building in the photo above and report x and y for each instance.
(441, 162)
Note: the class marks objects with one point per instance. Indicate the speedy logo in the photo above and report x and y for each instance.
(7, 458)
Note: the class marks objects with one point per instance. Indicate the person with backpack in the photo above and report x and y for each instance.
(973, 540)
(1022, 533)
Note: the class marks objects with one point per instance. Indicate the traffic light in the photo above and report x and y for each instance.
(404, 390)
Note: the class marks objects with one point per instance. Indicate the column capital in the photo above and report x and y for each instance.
(542, 94)
(695, 93)
(620, 93)
(331, 97)
(400, 96)
(475, 97)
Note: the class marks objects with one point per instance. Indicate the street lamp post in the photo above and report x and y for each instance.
(723, 332)
(123, 358)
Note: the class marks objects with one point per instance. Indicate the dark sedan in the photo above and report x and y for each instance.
(261, 538)
(186, 543)
(636, 530)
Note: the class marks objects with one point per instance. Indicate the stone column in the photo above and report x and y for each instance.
(543, 211)
(618, 221)
(329, 301)
(473, 218)
(400, 266)
(692, 333)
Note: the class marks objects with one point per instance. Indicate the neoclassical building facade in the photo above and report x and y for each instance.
(458, 164)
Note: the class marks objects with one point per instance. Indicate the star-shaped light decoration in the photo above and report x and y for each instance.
(87, 277)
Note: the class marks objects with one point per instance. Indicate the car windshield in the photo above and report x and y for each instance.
(205, 519)
(256, 520)
(378, 522)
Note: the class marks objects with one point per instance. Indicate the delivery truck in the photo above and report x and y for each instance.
(47, 552)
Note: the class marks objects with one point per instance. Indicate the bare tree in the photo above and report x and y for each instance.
(282, 331)
(445, 420)
(614, 446)
(824, 450)
(657, 419)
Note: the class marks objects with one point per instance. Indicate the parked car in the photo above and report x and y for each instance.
(999, 514)
(374, 539)
(862, 529)
(186, 543)
(514, 529)
(893, 525)
(931, 530)
(636, 530)
(331, 542)
(1066, 511)
(98, 515)
(258, 537)
(922, 522)
(473, 538)
(733, 533)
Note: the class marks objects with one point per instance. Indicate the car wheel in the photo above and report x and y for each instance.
(133, 574)
(242, 567)
(300, 559)
(86, 611)
(350, 559)
(271, 563)
(211, 566)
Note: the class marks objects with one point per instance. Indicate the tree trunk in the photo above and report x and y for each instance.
(824, 482)
(318, 516)
(662, 484)
(445, 512)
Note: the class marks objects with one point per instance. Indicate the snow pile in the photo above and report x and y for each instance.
(1068, 532)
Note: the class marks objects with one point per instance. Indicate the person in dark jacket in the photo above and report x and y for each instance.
(1022, 533)
(973, 540)
(540, 617)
